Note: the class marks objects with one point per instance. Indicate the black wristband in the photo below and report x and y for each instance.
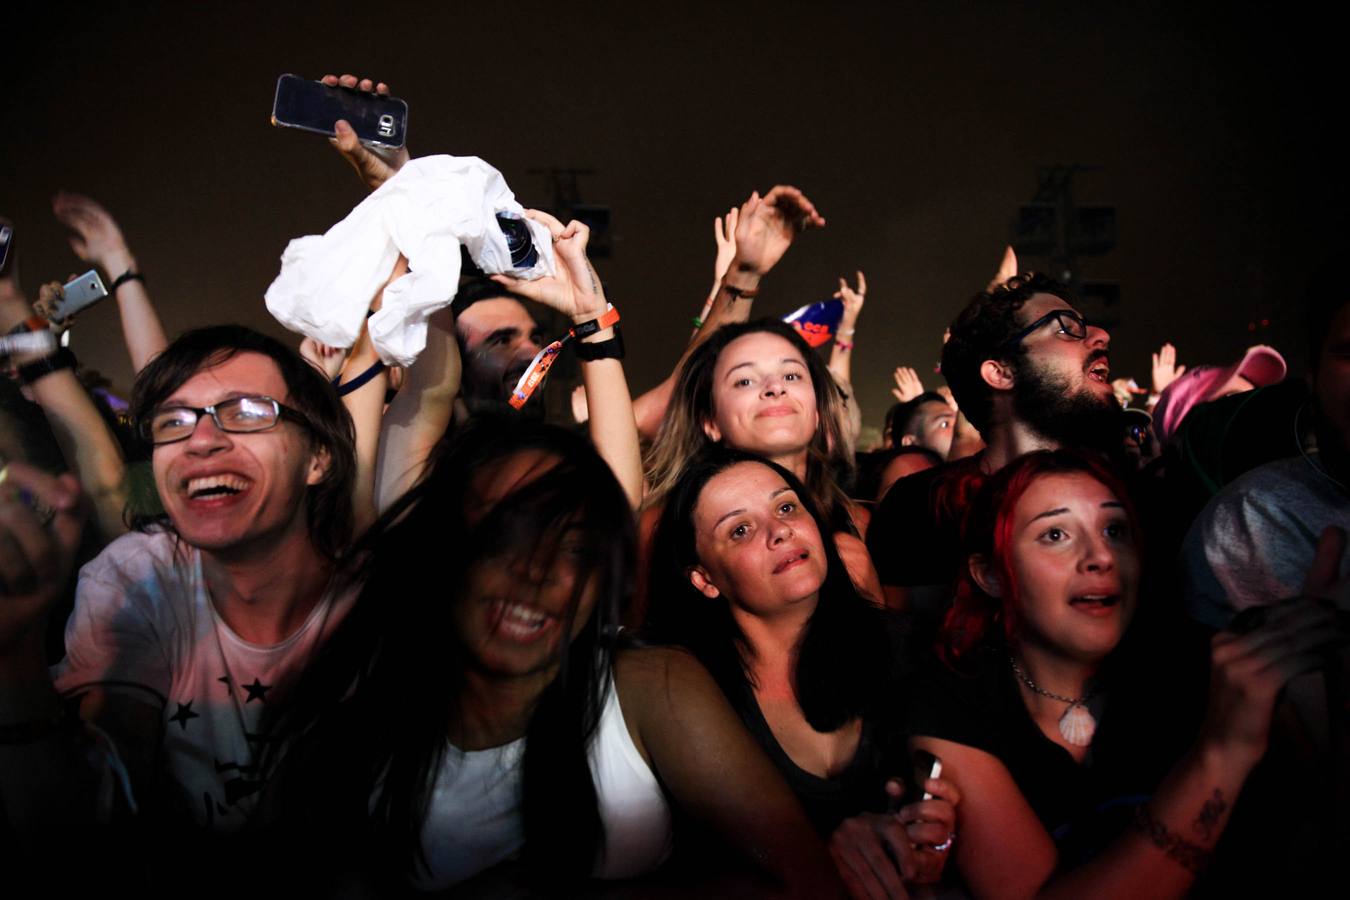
(345, 388)
(128, 275)
(40, 368)
(609, 349)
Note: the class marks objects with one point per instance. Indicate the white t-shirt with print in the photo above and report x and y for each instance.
(144, 626)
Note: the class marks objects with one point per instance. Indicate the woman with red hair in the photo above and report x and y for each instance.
(1060, 724)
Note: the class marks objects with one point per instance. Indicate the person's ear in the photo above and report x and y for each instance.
(320, 463)
(983, 574)
(712, 431)
(998, 375)
(908, 440)
(698, 577)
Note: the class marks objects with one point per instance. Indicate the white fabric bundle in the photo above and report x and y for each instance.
(426, 211)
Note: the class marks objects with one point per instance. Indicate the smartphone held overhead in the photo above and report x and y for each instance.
(378, 121)
(78, 294)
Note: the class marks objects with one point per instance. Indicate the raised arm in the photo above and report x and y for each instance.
(765, 228)
(418, 417)
(373, 166)
(841, 357)
(576, 292)
(362, 383)
(86, 443)
(97, 239)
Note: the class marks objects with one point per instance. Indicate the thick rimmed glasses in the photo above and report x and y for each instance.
(239, 415)
(1071, 325)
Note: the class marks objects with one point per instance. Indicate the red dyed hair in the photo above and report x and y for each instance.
(987, 531)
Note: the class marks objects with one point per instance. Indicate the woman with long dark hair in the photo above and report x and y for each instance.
(744, 577)
(477, 706)
(759, 388)
(1086, 767)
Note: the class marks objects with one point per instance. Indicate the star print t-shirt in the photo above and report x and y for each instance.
(144, 626)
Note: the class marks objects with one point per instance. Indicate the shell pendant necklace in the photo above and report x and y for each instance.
(1077, 725)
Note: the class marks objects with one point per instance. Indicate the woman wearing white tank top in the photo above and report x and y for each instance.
(476, 708)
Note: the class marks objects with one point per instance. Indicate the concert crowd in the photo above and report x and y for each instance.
(353, 616)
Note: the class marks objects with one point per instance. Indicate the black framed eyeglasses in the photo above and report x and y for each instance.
(239, 415)
(1071, 324)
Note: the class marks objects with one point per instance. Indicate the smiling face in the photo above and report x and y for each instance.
(229, 493)
(500, 338)
(763, 399)
(757, 546)
(1076, 567)
(518, 601)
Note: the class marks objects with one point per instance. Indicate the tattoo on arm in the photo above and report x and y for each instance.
(1191, 857)
(1207, 822)
(595, 279)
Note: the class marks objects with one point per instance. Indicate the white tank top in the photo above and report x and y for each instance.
(475, 819)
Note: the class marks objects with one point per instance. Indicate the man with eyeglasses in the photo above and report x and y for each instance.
(187, 632)
(1029, 374)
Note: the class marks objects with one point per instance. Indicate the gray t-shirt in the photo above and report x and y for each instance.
(1254, 541)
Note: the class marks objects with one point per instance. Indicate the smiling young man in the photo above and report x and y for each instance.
(1029, 374)
(187, 632)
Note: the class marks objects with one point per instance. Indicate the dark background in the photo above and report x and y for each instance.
(916, 129)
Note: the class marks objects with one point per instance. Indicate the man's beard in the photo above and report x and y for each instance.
(485, 391)
(1049, 406)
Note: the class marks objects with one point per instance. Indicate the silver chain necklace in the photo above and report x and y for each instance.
(1077, 725)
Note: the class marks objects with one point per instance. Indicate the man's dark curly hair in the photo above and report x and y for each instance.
(980, 332)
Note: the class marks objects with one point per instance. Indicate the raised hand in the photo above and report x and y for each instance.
(41, 518)
(373, 165)
(724, 233)
(96, 236)
(1007, 268)
(575, 290)
(907, 384)
(1165, 368)
(1125, 390)
(326, 359)
(853, 300)
(49, 295)
(767, 226)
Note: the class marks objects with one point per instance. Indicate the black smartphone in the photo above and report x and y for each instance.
(6, 237)
(314, 106)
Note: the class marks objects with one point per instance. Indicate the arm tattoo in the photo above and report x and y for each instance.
(1190, 856)
(595, 279)
(1207, 823)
